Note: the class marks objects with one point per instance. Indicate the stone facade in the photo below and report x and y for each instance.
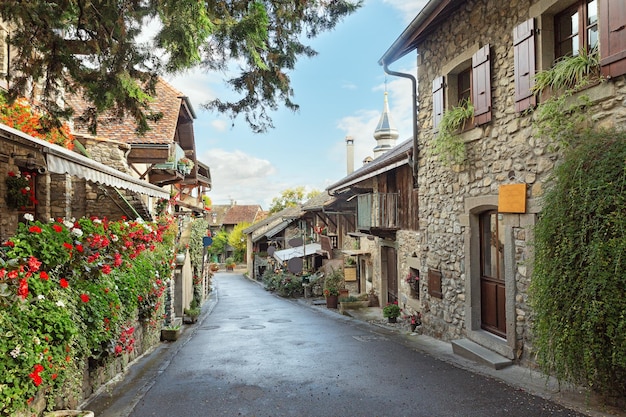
(507, 150)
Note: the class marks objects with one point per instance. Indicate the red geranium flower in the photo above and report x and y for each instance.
(22, 290)
(57, 228)
(84, 298)
(44, 275)
(106, 269)
(33, 264)
(34, 229)
(67, 246)
(63, 283)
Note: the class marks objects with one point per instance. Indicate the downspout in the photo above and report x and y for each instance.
(414, 163)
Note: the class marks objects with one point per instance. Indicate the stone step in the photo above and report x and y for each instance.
(477, 353)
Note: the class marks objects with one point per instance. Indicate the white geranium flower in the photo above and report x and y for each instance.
(60, 303)
(41, 297)
(114, 238)
(36, 340)
(29, 217)
(68, 224)
(97, 221)
(77, 232)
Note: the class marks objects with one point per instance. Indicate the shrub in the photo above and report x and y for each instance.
(578, 291)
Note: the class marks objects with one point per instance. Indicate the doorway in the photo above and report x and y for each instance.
(492, 283)
(389, 270)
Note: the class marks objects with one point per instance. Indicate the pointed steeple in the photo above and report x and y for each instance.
(385, 133)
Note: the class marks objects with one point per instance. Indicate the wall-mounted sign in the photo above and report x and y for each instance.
(512, 198)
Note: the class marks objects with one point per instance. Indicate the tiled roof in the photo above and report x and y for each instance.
(239, 214)
(318, 202)
(167, 101)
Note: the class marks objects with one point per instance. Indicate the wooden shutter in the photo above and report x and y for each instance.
(481, 86)
(437, 101)
(524, 49)
(612, 26)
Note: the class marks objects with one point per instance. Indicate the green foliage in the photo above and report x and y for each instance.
(71, 291)
(199, 229)
(448, 144)
(238, 240)
(391, 310)
(570, 72)
(563, 114)
(116, 72)
(283, 283)
(220, 240)
(333, 282)
(578, 292)
(291, 197)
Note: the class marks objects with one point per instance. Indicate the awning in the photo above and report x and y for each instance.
(297, 252)
(63, 161)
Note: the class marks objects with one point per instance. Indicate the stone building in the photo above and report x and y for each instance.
(473, 244)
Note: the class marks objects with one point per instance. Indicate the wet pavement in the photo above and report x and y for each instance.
(252, 353)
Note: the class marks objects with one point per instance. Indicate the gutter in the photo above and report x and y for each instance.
(414, 161)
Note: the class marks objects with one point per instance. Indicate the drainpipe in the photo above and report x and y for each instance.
(414, 163)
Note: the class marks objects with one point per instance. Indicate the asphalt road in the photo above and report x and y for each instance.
(255, 354)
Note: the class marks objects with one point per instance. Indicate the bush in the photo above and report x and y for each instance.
(578, 291)
(285, 284)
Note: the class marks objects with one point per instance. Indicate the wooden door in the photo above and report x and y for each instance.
(492, 289)
(390, 272)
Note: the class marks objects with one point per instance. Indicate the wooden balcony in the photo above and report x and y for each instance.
(377, 213)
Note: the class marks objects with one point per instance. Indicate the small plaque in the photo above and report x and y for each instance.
(512, 198)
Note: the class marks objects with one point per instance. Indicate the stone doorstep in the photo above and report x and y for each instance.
(475, 352)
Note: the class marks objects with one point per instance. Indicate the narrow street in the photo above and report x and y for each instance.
(255, 354)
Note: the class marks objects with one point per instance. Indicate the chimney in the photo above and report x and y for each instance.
(350, 154)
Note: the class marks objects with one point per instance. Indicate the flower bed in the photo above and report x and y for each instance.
(76, 292)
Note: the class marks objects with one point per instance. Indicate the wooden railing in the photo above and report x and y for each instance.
(377, 211)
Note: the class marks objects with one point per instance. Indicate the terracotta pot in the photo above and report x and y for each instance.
(331, 301)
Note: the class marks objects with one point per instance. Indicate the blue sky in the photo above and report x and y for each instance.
(340, 92)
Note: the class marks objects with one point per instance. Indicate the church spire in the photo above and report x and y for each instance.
(385, 133)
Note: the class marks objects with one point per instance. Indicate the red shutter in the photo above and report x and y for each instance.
(612, 26)
(524, 48)
(437, 101)
(481, 86)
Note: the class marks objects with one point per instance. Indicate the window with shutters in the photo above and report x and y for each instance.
(561, 28)
(469, 78)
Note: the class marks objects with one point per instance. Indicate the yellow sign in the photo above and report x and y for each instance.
(512, 198)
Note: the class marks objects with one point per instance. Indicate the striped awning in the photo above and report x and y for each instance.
(60, 160)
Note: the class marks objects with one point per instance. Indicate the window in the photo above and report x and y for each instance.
(576, 28)
(564, 31)
(468, 79)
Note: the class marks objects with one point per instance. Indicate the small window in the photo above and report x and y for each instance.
(576, 28)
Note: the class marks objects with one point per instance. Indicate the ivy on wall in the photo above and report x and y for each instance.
(578, 292)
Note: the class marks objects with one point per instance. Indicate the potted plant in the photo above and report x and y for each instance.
(391, 311)
(170, 333)
(230, 264)
(192, 313)
(333, 282)
(332, 297)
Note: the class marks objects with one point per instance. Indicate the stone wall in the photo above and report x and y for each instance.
(506, 150)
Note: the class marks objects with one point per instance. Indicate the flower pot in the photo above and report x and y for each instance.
(170, 335)
(392, 319)
(344, 293)
(331, 301)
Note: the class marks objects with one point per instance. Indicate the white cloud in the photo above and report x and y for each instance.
(236, 174)
(408, 9)
(220, 125)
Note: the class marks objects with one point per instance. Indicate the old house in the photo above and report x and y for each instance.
(471, 234)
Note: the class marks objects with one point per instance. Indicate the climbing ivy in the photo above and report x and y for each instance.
(578, 292)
